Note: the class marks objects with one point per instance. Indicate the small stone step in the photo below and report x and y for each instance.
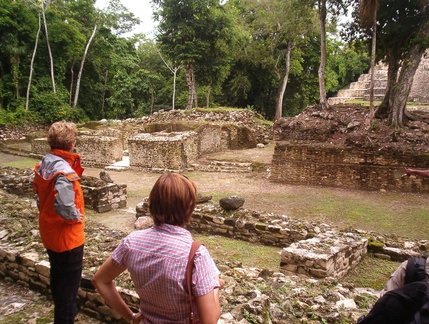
(116, 168)
(223, 166)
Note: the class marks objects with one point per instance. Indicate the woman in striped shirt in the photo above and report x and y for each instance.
(156, 259)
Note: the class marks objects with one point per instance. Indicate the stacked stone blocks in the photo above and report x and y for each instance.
(345, 167)
(105, 198)
(27, 270)
(326, 255)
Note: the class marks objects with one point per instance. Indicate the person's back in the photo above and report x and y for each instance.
(397, 279)
(405, 300)
(61, 217)
(156, 259)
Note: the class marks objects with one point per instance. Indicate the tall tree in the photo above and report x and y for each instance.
(79, 76)
(173, 69)
(323, 101)
(403, 36)
(188, 30)
(17, 25)
(30, 77)
(45, 6)
(277, 28)
(334, 7)
(368, 16)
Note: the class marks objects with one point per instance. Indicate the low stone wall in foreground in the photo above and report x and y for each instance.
(28, 270)
(102, 198)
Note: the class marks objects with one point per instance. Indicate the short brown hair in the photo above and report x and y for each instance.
(62, 135)
(172, 199)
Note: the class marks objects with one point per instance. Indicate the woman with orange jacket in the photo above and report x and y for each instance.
(61, 217)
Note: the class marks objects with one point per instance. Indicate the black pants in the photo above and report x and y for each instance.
(66, 273)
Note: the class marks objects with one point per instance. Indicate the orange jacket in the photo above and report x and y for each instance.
(59, 234)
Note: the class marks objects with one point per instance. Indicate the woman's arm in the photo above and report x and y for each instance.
(208, 307)
(421, 173)
(103, 281)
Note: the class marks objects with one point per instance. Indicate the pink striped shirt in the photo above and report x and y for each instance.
(156, 259)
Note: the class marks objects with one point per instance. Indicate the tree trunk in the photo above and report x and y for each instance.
(30, 77)
(190, 81)
(174, 87)
(402, 89)
(282, 88)
(152, 101)
(106, 74)
(321, 73)
(49, 46)
(79, 75)
(14, 62)
(392, 77)
(208, 95)
(373, 53)
(71, 80)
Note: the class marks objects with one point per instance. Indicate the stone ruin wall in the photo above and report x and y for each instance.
(28, 270)
(345, 167)
(243, 118)
(99, 198)
(163, 151)
(105, 198)
(177, 150)
(309, 248)
(327, 255)
(216, 131)
(99, 151)
(96, 151)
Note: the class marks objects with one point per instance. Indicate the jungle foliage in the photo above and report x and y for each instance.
(227, 53)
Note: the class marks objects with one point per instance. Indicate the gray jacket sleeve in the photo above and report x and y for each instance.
(64, 201)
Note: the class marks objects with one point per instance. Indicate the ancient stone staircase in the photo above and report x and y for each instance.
(359, 90)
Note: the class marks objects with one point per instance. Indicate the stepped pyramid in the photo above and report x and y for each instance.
(359, 90)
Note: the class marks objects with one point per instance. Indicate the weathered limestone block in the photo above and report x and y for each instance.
(99, 150)
(168, 151)
(142, 208)
(95, 150)
(105, 198)
(210, 139)
(40, 147)
(328, 254)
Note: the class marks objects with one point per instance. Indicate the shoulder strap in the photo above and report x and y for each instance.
(189, 267)
(415, 270)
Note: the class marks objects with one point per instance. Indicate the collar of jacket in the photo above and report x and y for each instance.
(71, 158)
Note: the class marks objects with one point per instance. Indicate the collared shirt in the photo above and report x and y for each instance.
(156, 259)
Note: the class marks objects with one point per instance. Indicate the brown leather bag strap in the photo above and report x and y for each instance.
(189, 267)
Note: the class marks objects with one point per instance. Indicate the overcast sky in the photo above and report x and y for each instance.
(141, 9)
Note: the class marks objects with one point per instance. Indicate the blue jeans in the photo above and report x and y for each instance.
(66, 273)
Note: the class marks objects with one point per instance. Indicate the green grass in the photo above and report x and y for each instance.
(389, 213)
(371, 272)
(249, 254)
(20, 163)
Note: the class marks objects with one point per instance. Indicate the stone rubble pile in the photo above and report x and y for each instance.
(242, 117)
